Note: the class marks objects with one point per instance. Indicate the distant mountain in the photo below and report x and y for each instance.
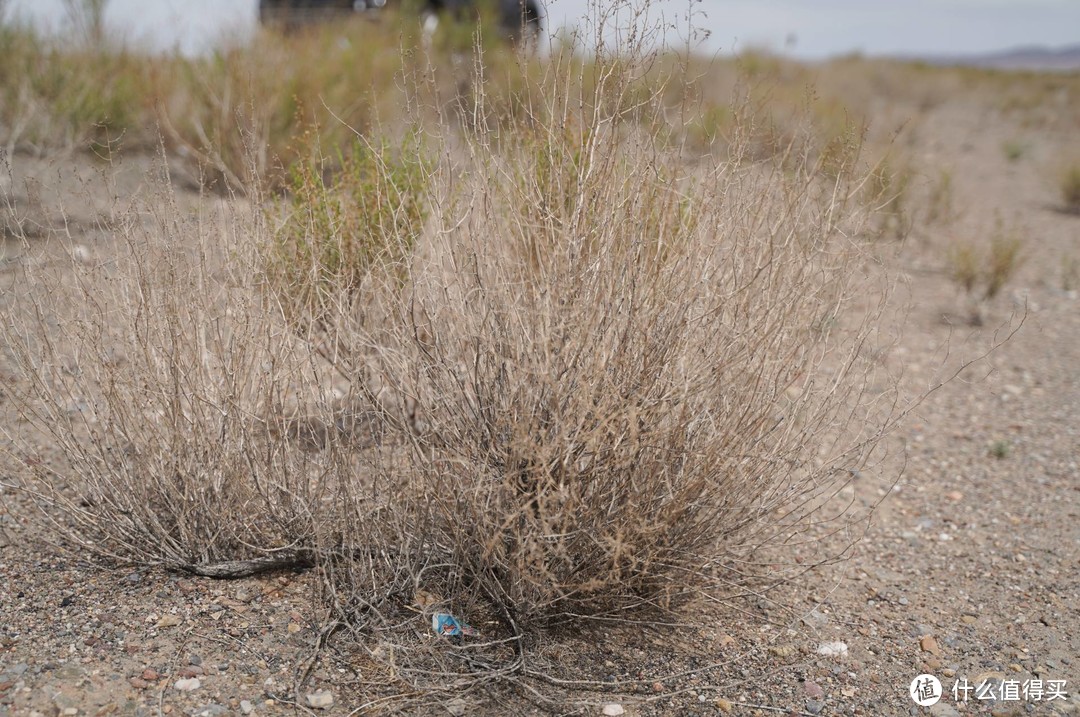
(1062, 59)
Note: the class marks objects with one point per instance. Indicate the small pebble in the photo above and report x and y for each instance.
(944, 709)
(613, 710)
(833, 649)
(188, 685)
(320, 700)
(214, 710)
(168, 621)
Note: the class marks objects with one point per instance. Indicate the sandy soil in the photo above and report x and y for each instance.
(969, 571)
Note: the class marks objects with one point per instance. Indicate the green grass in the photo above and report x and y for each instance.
(1000, 449)
(345, 219)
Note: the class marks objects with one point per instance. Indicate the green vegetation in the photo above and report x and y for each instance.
(1000, 449)
(1013, 149)
(1070, 189)
(344, 221)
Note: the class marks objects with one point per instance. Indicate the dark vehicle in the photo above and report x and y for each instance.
(518, 18)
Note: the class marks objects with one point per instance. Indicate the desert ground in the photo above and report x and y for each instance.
(967, 568)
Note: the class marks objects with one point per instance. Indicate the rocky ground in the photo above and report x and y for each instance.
(969, 570)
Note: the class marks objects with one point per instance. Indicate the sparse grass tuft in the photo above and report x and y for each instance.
(1013, 149)
(982, 273)
(1070, 189)
(963, 261)
(1070, 272)
(1000, 449)
(1004, 259)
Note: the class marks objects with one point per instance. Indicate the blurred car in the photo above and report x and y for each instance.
(290, 13)
(518, 18)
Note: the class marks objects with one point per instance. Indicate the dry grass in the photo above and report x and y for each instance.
(248, 113)
(1070, 272)
(888, 196)
(982, 272)
(941, 202)
(149, 372)
(600, 380)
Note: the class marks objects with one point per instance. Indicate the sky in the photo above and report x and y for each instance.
(809, 29)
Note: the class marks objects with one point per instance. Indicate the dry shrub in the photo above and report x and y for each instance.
(601, 428)
(616, 373)
(158, 374)
(600, 381)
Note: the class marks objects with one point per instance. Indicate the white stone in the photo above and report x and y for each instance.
(320, 700)
(833, 649)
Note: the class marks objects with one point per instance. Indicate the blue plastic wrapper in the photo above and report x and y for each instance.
(449, 626)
